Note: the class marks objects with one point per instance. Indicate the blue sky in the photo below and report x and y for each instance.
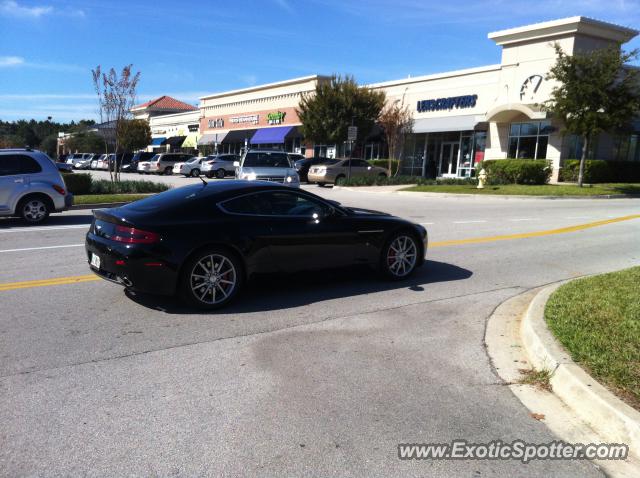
(187, 49)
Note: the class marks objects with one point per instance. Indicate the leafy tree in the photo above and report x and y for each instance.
(597, 92)
(396, 120)
(337, 104)
(49, 145)
(86, 142)
(134, 135)
(116, 97)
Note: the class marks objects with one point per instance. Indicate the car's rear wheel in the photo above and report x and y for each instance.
(168, 170)
(211, 278)
(221, 173)
(34, 209)
(195, 173)
(399, 256)
(340, 179)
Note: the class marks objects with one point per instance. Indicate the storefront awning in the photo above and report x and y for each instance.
(174, 141)
(273, 135)
(441, 125)
(238, 136)
(191, 141)
(212, 138)
(157, 141)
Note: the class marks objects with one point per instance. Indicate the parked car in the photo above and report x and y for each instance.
(132, 167)
(120, 160)
(31, 185)
(267, 165)
(334, 171)
(302, 166)
(192, 167)
(64, 167)
(85, 162)
(219, 165)
(97, 159)
(162, 163)
(103, 162)
(204, 241)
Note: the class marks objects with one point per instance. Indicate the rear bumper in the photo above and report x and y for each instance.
(141, 270)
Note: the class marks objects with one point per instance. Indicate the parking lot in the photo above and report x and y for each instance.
(311, 375)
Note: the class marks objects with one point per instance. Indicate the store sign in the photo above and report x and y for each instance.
(466, 101)
(252, 119)
(193, 128)
(216, 123)
(276, 118)
(159, 131)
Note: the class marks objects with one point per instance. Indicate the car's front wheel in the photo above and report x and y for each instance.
(34, 209)
(195, 173)
(399, 256)
(168, 171)
(221, 173)
(211, 278)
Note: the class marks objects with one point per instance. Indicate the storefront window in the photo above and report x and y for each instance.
(626, 147)
(529, 140)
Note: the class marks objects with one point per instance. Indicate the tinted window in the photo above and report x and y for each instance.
(266, 159)
(29, 165)
(18, 164)
(275, 203)
(9, 165)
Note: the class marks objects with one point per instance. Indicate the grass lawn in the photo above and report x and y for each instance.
(542, 190)
(106, 198)
(597, 319)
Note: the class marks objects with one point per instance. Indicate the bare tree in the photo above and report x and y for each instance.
(396, 120)
(116, 97)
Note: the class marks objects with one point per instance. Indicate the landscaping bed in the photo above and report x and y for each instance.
(531, 190)
(87, 190)
(597, 319)
(85, 199)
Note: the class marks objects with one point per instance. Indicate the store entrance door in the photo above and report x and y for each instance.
(448, 159)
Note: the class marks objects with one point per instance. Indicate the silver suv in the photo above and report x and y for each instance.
(162, 163)
(219, 165)
(31, 186)
(267, 165)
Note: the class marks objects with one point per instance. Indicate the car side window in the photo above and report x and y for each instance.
(9, 165)
(28, 165)
(275, 203)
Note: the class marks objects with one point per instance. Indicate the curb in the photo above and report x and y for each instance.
(97, 205)
(592, 402)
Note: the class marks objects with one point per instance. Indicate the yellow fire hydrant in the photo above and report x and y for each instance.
(482, 178)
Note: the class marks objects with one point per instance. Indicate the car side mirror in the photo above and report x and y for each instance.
(236, 164)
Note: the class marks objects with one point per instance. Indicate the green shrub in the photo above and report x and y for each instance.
(601, 171)
(384, 163)
(517, 171)
(104, 186)
(78, 183)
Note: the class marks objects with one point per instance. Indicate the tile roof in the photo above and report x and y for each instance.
(166, 103)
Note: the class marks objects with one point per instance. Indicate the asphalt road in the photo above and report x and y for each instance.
(317, 375)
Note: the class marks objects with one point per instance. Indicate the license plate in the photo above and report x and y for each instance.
(95, 261)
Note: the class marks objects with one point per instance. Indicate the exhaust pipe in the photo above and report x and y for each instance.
(125, 281)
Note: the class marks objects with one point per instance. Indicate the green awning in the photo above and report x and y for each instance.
(191, 141)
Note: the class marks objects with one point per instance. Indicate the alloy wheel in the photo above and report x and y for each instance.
(34, 210)
(402, 255)
(213, 279)
(220, 173)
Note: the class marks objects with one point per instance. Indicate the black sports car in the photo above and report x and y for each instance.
(204, 241)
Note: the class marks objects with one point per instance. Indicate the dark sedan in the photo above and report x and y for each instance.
(302, 166)
(204, 241)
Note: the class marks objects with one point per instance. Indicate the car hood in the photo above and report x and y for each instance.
(268, 171)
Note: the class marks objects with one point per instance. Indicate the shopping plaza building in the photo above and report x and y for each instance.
(459, 117)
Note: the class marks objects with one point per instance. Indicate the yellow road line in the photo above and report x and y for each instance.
(455, 242)
(47, 282)
(524, 235)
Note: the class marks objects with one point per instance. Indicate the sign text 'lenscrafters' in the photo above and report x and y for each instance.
(466, 101)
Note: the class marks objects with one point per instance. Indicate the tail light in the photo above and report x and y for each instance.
(132, 235)
(59, 189)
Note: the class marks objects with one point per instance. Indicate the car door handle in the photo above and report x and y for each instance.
(18, 180)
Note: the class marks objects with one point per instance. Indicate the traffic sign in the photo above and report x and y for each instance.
(352, 133)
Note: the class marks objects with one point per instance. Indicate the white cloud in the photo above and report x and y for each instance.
(14, 9)
(8, 61)
(11, 8)
(284, 4)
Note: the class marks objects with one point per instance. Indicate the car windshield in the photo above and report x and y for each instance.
(266, 160)
(195, 159)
